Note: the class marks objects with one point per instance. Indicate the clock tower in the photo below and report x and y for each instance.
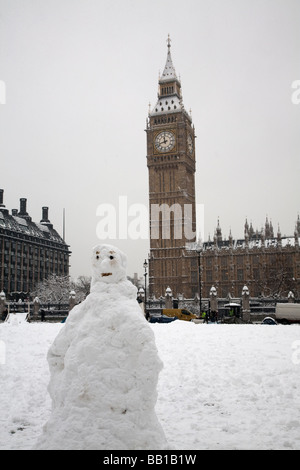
(171, 165)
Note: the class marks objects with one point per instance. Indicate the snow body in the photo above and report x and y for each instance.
(104, 368)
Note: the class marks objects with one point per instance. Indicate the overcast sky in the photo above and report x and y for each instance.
(79, 75)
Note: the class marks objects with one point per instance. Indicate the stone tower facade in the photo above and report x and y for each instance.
(171, 165)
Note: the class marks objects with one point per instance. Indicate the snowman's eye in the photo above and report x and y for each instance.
(111, 257)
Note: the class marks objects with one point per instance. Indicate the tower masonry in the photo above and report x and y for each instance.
(171, 164)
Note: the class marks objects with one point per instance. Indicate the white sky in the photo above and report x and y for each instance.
(79, 75)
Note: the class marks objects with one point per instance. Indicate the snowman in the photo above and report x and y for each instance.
(104, 368)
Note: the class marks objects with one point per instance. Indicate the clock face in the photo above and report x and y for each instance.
(165, 141)
(190, 143)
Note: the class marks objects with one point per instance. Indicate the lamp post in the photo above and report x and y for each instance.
(199, 279)
(145, 289)
(2, 302)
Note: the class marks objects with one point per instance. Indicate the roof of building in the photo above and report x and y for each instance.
(253, 240)
(21, 224)
(251, 244)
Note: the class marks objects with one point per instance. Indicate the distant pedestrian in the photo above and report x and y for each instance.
(42, 314)
(4, 314)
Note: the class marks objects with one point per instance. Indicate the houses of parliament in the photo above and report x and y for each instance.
(267, 262)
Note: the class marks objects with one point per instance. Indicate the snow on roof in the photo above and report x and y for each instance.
(43, 227)
(252, 244)
(20, 225)
(169, 104)
(169, 70)
(20, 220)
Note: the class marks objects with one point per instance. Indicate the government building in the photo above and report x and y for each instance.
(268, 263)
(29, 251)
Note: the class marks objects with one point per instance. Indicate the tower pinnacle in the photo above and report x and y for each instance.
(169, 42)
(169, 90)
(169, 73)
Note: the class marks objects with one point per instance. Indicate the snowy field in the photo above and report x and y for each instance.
(222, 386)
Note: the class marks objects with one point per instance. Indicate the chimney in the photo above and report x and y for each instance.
(23, 212)
(23, 203)
(14, 212)
(45, 219)
(2, 206)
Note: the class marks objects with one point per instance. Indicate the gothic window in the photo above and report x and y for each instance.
(224, 275)
(239, 260)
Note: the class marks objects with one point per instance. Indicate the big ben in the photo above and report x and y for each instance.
(171, 165)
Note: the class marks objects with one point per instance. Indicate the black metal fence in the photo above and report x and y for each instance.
(45, 311)
(59, 311)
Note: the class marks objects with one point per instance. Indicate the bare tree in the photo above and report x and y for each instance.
(81, 286)
(54, 289)
(274, 276)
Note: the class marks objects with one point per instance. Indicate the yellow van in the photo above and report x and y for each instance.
(180, 313)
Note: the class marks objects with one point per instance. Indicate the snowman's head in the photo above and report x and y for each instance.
(108, 264)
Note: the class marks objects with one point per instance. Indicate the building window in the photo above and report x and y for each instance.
(224, 275)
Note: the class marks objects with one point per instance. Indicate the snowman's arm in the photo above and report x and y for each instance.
(57, 352)
(61, 344)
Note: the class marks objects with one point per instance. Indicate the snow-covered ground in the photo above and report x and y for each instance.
(222, 386)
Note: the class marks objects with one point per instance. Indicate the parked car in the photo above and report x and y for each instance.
(268, 321)
(287, 313)
(180, 313)
(161, 319)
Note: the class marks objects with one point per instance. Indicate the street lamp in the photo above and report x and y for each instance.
(199, 278)
(145, 267)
